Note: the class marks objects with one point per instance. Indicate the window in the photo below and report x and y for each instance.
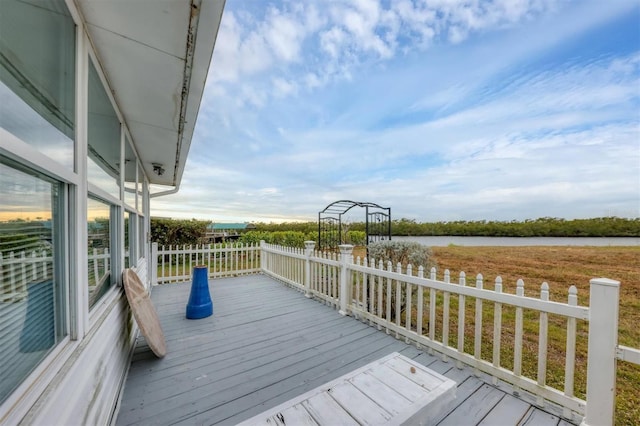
(103, 165)
(128, 256)
(100, 225)
(37, 76)
(129, 175)
(141, 237)
(140, 189)
(32, 302)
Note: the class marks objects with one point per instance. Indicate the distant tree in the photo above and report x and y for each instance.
(178, 232)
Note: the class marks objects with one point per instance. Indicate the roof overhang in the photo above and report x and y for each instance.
(155, 54)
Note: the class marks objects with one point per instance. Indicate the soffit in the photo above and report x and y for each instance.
(155, 55)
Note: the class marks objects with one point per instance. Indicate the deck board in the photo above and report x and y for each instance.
(474, 408)
(265, 344)
(509, 410)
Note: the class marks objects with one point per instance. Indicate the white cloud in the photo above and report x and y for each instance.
(251, 96)
(332, 41)
(284, 35)
(283, 87)
(312, 81)
(225, 62)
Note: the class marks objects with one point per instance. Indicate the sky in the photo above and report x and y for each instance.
(441, 110)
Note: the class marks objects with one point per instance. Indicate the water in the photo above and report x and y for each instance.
(443, 241)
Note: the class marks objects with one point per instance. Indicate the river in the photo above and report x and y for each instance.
(443, 241)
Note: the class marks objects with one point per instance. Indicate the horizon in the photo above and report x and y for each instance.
(404, 218)
(441, 111)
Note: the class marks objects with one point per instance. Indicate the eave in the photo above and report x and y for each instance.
(155, 55)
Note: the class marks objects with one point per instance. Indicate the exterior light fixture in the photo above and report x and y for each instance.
(158, 169)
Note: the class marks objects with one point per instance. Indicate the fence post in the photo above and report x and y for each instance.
(346, 252)
(601, 361)
(154, 264)
(308, 251)
(263, 257)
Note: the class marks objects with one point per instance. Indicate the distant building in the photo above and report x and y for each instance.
(227, 231)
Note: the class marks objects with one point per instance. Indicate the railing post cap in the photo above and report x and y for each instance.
(309, 244)
(604, 282)
(345, 248)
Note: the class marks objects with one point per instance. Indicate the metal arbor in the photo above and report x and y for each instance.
(377, 223)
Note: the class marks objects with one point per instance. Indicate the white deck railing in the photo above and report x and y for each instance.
(174, 264)
(444, 316)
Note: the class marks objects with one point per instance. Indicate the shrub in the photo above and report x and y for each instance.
(357, 238)
(283, 238)
(403, 252)
(254, 237)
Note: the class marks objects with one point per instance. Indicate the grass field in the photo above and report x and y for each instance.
(562, 267)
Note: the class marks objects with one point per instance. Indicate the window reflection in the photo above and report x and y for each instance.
(31, 289)
(103, 165)
(140, 189)
(99, 227)
(141, 237)
(127, 230)
(129, 175)
(37, 76)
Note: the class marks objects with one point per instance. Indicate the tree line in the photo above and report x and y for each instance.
(180, 231)
(541, 227)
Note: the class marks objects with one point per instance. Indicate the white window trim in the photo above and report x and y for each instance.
(23, 153)
(79, 294)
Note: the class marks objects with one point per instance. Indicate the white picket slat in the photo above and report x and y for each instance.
(497, 328)
(477, 344)
(445, 313)
(462, 313)
(570, 359)
(542, 343)
(408, 310)
(517, 344)
(420, 303)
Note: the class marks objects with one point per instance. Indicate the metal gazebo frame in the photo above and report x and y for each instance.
(377, 223)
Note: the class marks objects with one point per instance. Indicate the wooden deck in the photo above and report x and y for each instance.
(265, 344)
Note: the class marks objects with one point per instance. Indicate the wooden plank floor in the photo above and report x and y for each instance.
(265, 344)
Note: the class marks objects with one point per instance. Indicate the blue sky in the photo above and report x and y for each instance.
(440, 109)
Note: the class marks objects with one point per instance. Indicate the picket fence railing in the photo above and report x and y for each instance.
(446, 317)
(174, 264)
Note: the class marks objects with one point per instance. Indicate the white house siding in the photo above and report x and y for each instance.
(87, 387)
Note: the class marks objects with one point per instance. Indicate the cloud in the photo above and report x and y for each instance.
(284, 35)
(283, 87)
(349, 34)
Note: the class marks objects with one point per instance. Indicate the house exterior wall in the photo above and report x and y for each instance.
(85, 390)
(77, 377)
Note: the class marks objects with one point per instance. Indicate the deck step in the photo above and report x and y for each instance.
(393, 390)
